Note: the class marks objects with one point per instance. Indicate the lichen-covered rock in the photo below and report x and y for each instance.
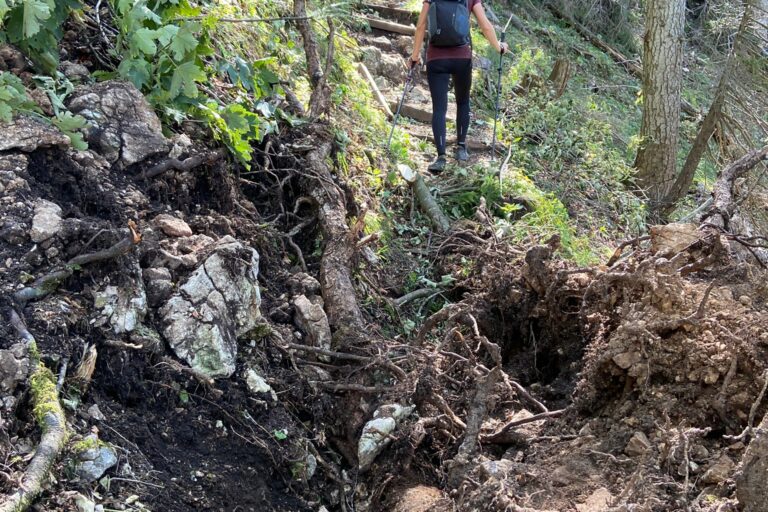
(46, 221)
(94, 457)
(124, 306)
(218, 303)
(14, 367)
(256, 383)
(376, 433)
(27, 134)
(123, 126)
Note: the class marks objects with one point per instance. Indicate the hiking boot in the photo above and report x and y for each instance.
(461, 154)
(438, 165)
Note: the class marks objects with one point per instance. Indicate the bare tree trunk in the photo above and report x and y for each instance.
(662, 84)
(714, 115)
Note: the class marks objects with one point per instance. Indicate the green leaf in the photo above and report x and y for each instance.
(6, 112)
(166, 33)
(135, 70)
(35, 13)
(143, 39)
(4, 8)
(71, 125)
(280, 435)
(183, 42)
(184, 78)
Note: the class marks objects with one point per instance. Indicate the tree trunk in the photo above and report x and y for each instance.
(751, 484)
(662, 83)
(712, 120)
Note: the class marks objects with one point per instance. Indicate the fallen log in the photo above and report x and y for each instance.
(394, 13)
(389, 26)
(428, 204)
(375, 89)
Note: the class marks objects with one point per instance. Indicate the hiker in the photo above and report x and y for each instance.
(449, 53)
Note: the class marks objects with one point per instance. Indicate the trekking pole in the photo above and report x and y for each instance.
(498, 90)
(400, 105)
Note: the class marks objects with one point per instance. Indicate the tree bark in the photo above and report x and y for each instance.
(662, 85)
(751, 484)
(711, 120)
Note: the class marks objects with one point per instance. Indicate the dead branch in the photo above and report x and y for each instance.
(122, 345)
(499, 434)
(416, 294)
(524, 393)
(747, 432)
(49, 283)
(430, 323)
(183, 165)
(375, 90)
(620, 249)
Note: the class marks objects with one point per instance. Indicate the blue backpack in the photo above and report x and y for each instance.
(448, 23)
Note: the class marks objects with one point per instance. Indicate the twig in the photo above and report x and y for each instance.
(752, 411)
(62, 374)
(122, 344)
(524, 393)
(617, 253)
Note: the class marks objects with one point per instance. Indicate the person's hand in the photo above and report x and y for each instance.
(413, 62)
(503, 48)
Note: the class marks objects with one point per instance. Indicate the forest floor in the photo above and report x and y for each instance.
(505, 376)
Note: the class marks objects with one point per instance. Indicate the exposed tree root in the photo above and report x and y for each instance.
(183, 165)
(50, 417)
(335, 275)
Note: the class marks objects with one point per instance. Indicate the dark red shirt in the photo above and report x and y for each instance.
(453, 52)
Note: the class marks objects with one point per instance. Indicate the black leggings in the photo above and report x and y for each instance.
(439, 73)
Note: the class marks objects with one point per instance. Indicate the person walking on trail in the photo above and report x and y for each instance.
(449, 54)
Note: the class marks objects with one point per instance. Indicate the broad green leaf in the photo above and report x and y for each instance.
(35, 13)
(71, 125)
(166, 33)
(183, 42)
(184, 78)
(6, 112)
(4, 8)
(144, 40)
(135, 70)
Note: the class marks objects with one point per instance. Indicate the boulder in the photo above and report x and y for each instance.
(123, 126)
(376, 433)
(28, 134)
(46, 221)
(14, 367)
(218, 303)
(670, 239)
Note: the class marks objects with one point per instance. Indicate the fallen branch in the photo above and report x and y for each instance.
(183, 165)
(50, 282)
(335, 386)
(375, 90)
(499, 434)
(428, 204)
(416, 294)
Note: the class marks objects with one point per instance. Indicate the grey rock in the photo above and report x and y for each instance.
(638, 445)
(256, 384)
(46, 221)
(124, 307)
(95, 413)
(14, 232)
(27, 134)
(123, 126)
(376, 433)
(158, 284)
(302, 283)
(156, 274)
(311, 318)
(719, 471)
(94, 461)
(84, 504)
(14, 367)
(74, 71)
(498, 469)
(218, 303)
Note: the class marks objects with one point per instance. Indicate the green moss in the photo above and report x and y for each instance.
(44, 394)
(260, 331)
(88, 443)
